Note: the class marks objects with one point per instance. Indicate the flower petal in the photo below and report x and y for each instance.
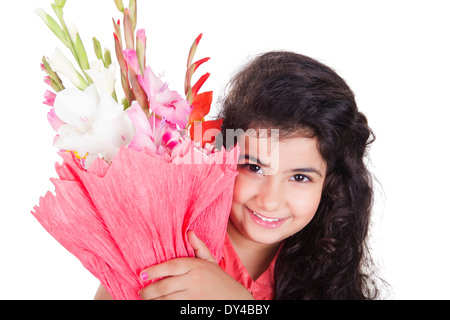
(49, 98)
(77, 107)
(131, 58)
(150, 82)
(54, 121)
(103, 78)
(140, 141)
(60, 64)
(96, 125)
(182, 111)
(202, 105)
(206, 131)
(199, 83)
(139, 119)
(140, 35)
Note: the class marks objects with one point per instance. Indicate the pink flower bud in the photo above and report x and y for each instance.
(48, 80)
(140, 35)
(131, 59)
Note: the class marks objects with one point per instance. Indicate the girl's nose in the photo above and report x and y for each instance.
(270, 196)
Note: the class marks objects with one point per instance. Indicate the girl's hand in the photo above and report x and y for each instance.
(192, 278)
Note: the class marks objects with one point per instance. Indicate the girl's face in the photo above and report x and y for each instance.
(278, 188)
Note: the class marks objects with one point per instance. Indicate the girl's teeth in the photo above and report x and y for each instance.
(265, 219)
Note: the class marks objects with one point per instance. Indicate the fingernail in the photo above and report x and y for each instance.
(144, 276)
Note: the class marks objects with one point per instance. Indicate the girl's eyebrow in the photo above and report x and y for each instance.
(305, 170)
(248, 157)
(297, 170)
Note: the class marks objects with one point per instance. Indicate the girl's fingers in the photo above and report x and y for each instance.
(174, 267)
(178, 295)
(178, 266)
(171, 281)
(167, 288)
(200, 248)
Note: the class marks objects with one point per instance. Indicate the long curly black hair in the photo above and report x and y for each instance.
(328, 258)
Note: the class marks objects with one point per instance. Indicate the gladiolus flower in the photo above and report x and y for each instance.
(95, 124)
(164, 102)
(153, 134)
(103, 78)
(59, 63)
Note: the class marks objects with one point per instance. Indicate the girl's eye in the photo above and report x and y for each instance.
(253, 168)
(300, 178)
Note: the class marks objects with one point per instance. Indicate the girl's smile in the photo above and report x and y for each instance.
(266, 222)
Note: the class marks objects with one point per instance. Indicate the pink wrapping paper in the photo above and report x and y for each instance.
(121, 218)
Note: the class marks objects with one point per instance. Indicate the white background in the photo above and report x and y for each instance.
(394, 54)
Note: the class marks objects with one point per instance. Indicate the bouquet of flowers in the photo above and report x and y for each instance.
(136, 175)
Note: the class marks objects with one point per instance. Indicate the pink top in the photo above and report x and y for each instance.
(261, 288)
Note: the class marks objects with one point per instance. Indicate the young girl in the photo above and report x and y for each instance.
(302, 200)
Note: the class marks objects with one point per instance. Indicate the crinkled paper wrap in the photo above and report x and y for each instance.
(119, 219)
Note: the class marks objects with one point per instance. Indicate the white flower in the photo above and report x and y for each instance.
(103, 78)
(96, 125)
(60, 64)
